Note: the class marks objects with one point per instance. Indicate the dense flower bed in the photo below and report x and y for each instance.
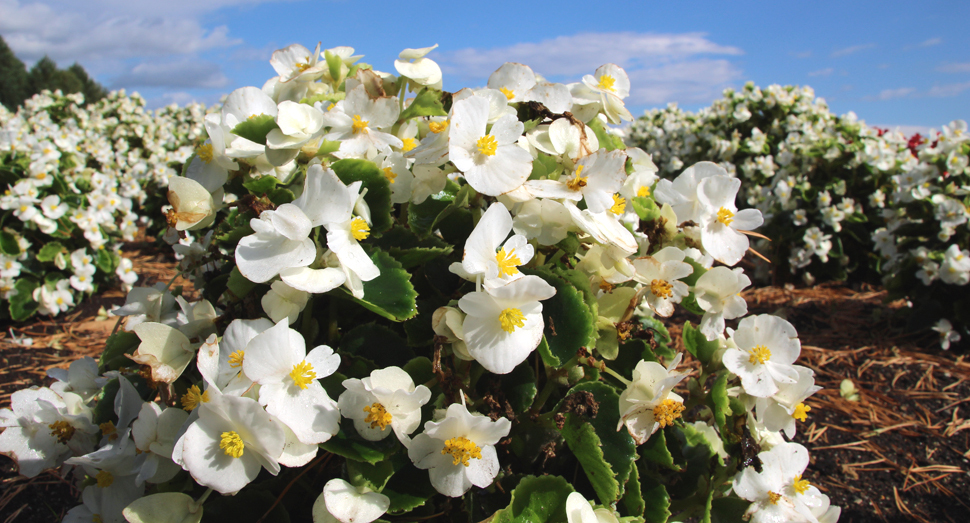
(78, 180)
(458, 295)
(841, 200)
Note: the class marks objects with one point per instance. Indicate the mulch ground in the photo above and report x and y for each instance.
(901, 452)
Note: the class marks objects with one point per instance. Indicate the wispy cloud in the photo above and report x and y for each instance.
(890, 94)
(931, 42)
(962, 67)
(803, 54)
(696, 81)
(180, 75)
(822, 72)
(852, 50)
(948, 90)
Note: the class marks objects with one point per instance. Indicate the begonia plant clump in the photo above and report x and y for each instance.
(427, 301)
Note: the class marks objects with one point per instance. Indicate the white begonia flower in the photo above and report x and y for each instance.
(53, 208)
(578, 510)
(492, 162)
(81, 378)
(288, 376)
(519, 84)
(546, 221)
(607, 263)
(39, 432)
(718, 292)
(712, 437)
(778, 493)
(486, 255)
(603, 227)
(681, 193)
(221, 364)
(148, 304)
(341, 501)
(54, 301)
(947, 334)
(459, 450)
(447, 322)
(422, 71)
(648, 402)
(596, 178)
(164, 507)
(357, 120)
(395, 169)
(767, 346)
(385, 401)
(721, 221)
(233, 438)
(955, 268)
(155, 432)
(239, 106)
(283, 301)
(166, 350)
(105, 504)
(605, 88)
(660, 274)
(563, 138)
(296, 62)
(126, 272)
(779, 412)
(504, 325)
(298, 124)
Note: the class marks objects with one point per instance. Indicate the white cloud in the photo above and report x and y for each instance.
(963, 67)
(181, 75)
(931, 42)
(851, 50)
(696, 81)
(822, 72)
(803, 54)
(890, 94)
(948, 89)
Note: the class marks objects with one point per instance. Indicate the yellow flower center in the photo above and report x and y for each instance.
(62, 430)
(510, 319)
(303, 66)
(801, 485)
(437, 127)
(643, 191)
(236, 359)
(303, 374)
(725, 216)
(409, 144)
(96, 518)
(667, 412)
(204, 152)
(759, 354)
(801, 412)
(507, 262)
(773, 497)
(377, 416)
(389, 174)
(359, 229)
(487, 145)
(509, 94)
(232, 444)
(105, 479)
(461, 449)
(661, 288)
(194, 397)
(108, 429)
(619, 204)
(579, 181)
(359, 126)
(606, 83)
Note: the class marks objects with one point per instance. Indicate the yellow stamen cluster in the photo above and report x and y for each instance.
(193, 398)
(579, 181)
(204, 153)
(359, 229)
(773, 497)
(667, 412)
(461, 450)
(437, 127)
(359, 126)
(303, 66)
(236, 359)
(801, 485)
(801, 412)
(377, 416)
(105, 479)
(725, 216)
(408, 144)
(510, 319)
(643, 191)
(606, 83)
(619, 204)
(509, 94)
(389, 174)
(62, 430)
(759, 355)
(661, 288)
(108, 429)
(302, 374)
(487, 145)
(507, 262)
(232, 444)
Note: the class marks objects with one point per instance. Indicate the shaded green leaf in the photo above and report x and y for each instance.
(391, 294)
(48, 252)
(8, 244)
(536, 500)
(22, 304)
(697, 344)
(255, 128)
(569, 324)
(426, 103)
(378, 195)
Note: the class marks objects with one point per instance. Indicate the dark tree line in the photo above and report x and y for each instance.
(17, 83)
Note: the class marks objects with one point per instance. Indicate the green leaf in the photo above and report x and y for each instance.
(261, 185)
(690, 303)
(691, 279)
(632, 501)
(239, 285)
(378, 195)
(359, 449)
(104, 410)
(255, 128)
(661, 337)
(697, 344)
(115, 348)
(409, 249)
(718, 400)
(420, 369)
(376, 343)
(424, 216)
(391, 294)
(520, 387)
(606, 454)
(656, 451)
(328, 147)
(8, 244)
(426, 103)
(329, 97)
(408, 489)
(657, 507)
(606, 139)
(728, 510)
(22, 304)
(536, 500)
(334, 65)
(106, 261)
(50, 251)
(248, 508)
(569, 324)
(373, 476)
(646, 208)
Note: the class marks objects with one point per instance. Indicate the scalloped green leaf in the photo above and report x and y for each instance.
(423, 216)
(426, 103)
(657, 506)
(646, 208)
(261, 185)
(697, 344)
(718, 400)
(391, 294)
(8, 244)
(632, 502)
(115, 348)
(378, 195)
(569, 323)
(22, 304)
(376, 343)
(360, 450)
(48, 252)
(536, 500)
(255, 128)
(371, 475)
(408, 489)
(656, 451)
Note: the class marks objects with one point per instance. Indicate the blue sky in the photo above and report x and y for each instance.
(893, 63)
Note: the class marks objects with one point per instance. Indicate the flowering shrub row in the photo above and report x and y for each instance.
(78, 180)
(454, 295)
(841, 200)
